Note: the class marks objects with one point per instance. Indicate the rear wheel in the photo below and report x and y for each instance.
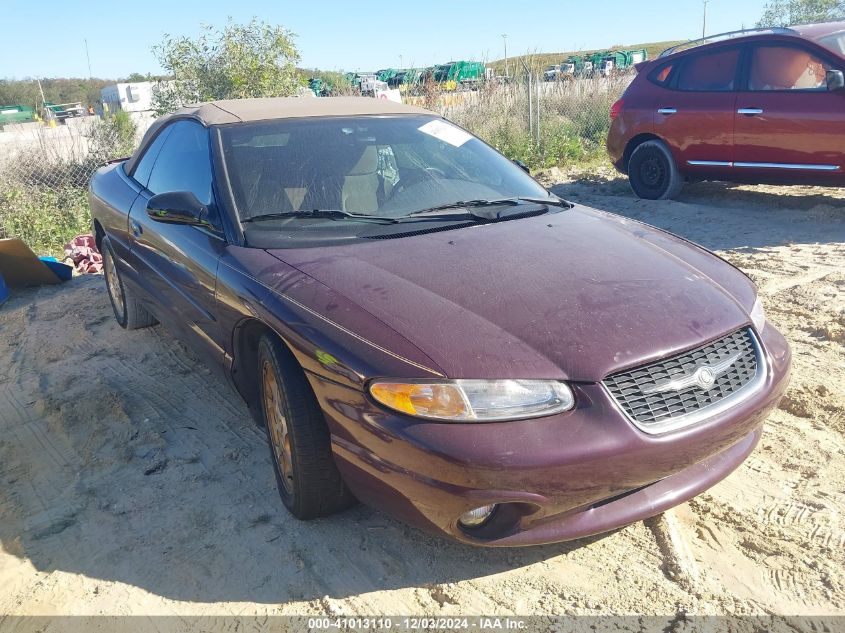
(128, 311)
(653, 173)
(307, 476)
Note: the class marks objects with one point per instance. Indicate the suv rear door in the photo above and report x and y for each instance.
(788, 125)
(694, 109)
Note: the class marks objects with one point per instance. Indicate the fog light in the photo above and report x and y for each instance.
(477, 517)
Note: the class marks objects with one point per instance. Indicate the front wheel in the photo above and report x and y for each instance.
(300, 444)
(653, 173)
(128, 311)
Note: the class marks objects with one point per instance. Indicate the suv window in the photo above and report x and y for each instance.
(661, 75)
(145, 165)
(786, 68)
(184, 162)
(710, 72)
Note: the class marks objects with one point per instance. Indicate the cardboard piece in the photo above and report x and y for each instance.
(20, 267)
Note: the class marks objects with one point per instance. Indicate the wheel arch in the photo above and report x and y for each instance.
(634, 143)
(245, 339)
(99, 234)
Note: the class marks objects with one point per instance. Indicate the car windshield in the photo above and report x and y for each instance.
(834, 41)
(381, 167)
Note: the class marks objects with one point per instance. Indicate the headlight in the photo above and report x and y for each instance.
(475, 400)
(758, 317)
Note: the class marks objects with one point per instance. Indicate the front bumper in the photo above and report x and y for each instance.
(558, 478)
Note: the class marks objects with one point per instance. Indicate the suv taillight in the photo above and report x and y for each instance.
(616, 108)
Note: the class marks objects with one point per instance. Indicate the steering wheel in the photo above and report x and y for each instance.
(416, 176)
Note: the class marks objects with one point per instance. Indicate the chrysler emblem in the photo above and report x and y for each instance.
(703, 377)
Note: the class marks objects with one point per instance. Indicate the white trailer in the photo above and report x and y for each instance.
(130, 97)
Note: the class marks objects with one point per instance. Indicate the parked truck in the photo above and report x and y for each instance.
(319, 87)
(459, 74)
(62, 111)
(616, 62)
(359, 78)
(406, 79)
(386, 74)
(579, 65)
(552, 73)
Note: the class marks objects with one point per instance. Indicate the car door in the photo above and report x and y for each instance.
(178, 263)
(694, 108)
(788, 125)
(119, 235)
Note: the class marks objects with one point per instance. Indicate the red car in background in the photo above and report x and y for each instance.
(758, 106)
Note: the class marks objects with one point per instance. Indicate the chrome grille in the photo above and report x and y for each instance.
(656, 399)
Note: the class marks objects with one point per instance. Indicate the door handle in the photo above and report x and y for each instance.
(666, 111)
(136, 228)
(750, 111)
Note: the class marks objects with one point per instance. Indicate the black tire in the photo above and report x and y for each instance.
(307, 477)
(128, 311)
(653, 173)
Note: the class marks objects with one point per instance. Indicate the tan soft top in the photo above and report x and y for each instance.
(242, 110)
(265, 109)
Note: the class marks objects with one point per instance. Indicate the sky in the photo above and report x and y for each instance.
(47, 38)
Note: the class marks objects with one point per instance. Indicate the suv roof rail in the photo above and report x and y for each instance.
(776, 30)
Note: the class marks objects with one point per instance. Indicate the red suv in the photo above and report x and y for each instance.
(759, 106)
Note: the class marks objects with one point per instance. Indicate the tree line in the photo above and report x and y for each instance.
(787, 12)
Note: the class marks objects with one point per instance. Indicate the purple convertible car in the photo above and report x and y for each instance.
(421, 326)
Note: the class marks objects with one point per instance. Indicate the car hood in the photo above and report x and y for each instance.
(572, 295)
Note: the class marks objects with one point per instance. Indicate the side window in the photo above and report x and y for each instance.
(786, 68)
(661, 75)
(184, 163)
(710, 72)
(145, 165)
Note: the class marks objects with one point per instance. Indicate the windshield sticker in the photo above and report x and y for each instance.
(446, 132)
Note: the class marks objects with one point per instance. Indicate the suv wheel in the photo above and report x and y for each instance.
(653, 173)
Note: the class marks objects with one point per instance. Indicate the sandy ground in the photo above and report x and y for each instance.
(133, 483)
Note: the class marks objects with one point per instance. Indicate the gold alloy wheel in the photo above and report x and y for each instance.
(115, 291)
(277, 425)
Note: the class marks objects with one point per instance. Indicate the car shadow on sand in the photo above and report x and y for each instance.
(124, 460)
(723, 216)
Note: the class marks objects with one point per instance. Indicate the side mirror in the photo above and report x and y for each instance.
(177, 207)
(521, 165)
(835, 80)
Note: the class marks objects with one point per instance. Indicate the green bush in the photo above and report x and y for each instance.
(561, 143)
(574, 120)
(45, 219)
(113, 137)
(43, 192)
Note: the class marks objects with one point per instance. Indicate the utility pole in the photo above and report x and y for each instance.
(41, 110)
(704, 20)
(505, 40)
(88, 57)
(400, 62)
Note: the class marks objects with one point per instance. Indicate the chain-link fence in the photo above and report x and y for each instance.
(542, 123)
(44, 174)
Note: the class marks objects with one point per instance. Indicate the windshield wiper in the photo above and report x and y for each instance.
(471, 204)
(552, 202)
(330, 214)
